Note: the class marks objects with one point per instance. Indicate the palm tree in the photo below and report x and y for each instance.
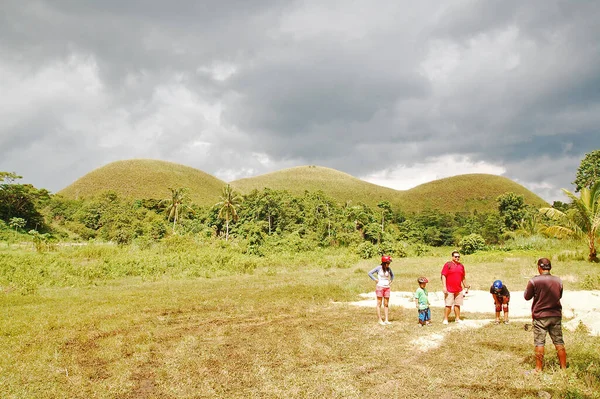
(581, 221)
(175, 204)
(228, 207)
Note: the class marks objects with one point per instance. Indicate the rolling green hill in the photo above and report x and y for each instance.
(146, 179)
(464, 193)
(339, 185)
(453, 194)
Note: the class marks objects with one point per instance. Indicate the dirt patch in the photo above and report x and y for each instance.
(579, 307)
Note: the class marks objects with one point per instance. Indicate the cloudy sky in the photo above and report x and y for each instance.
(393, 92)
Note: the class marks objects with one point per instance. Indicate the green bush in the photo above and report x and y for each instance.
(366, 250)
(422, 250)
(472, 243)
(400, 251)
(385, 248)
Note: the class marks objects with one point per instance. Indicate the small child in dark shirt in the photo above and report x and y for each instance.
(501, 298)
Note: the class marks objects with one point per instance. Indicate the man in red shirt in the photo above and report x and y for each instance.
(453, 281)
(546, 312)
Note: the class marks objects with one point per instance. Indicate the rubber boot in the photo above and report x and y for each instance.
(562, 356)
(539, 358)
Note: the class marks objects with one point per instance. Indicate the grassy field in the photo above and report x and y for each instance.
(280, 330)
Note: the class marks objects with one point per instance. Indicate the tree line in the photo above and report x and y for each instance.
(267, 217)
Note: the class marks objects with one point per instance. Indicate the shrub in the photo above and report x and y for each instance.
(366, 250)
(385, 248)
(471, 243)
(421, 250)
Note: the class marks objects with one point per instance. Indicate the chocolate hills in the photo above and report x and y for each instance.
(144, 178)
(147, 179)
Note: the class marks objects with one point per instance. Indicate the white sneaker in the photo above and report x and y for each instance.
(459, 321)
(445, 322)
(382, 322)
(387, 322)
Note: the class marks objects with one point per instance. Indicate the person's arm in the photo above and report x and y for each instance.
(529, 291)
(561, 289)
(444, 289)
(373, 272)
(464, 281)
(391, 276)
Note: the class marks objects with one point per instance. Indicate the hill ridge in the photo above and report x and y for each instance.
(467, 192)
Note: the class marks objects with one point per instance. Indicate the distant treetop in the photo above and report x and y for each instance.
(589, 171)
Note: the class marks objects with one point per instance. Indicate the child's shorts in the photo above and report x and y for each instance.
(424, 315)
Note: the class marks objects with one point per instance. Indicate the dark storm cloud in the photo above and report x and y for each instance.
(268, 84)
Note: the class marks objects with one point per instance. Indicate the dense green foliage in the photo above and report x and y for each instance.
(512, 209)
(471, 244)
(588, 172)
(582, 220)
(259, 221)
(465, 211)
(20, 203)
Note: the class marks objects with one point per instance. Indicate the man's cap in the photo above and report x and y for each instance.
(544, 264)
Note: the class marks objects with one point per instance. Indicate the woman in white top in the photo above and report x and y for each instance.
(384, 276)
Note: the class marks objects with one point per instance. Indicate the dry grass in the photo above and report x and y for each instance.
(341, 186)
(464, 193)
(266, 335)
(147, 179)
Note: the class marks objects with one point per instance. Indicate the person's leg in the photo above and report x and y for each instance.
(539, 358)
(458, 301)
(562, 356)
(505, 309)
(555, 332)
(447, 313)
(497, 308)
(457, 313)
(539, 340)
(386, 303)
(379, 300)
(449, 302)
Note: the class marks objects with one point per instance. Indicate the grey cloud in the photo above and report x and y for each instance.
(334, 85)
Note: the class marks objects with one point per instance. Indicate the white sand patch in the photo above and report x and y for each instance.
(428, 342)
(580, 306)
(432, 341)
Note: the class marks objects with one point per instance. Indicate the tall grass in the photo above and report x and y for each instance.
(112, 322)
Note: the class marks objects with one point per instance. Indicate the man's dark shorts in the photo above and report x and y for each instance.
(550, 325)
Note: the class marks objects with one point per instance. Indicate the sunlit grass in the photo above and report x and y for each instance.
(147, 178)
(278, 332)
(453, 194)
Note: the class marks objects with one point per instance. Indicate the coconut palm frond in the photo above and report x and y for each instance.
(581, 221)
